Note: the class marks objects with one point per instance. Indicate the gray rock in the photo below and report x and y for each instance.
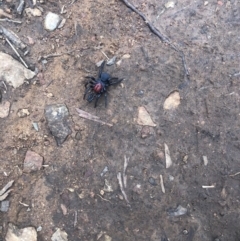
(51, 21)
(12, 71)
(25, 234)
(152, 181)
(59, 236)
(179, 211)
(4, 206)
(58, 122)
(32, 162)
(111, 61)
(4, 109)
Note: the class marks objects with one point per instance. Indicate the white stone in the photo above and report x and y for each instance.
(4, 109)
(52, 21)
(59, 236)
(25, 234)
(13, 72)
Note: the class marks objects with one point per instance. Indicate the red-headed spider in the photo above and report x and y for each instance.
(96, 87)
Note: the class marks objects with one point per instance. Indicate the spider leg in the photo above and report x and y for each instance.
(86, 91)
(97, 97)
(114, 81)
(101, 69)
(105, 95)
(91, 97)
(90, 77)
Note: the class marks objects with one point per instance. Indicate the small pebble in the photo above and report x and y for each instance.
(98, 64)
(78, 136)
(23, 113)
(185, 231)
(152, 181)
(39, 228)
(105, 170)
(35, 126)
(4, 206)
(62, 23)
(4, 109)
(111, 61)
(33, 12)
(51, 21)
(32, 162)
(126, 56)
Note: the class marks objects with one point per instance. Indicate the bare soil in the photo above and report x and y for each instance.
(206, 123)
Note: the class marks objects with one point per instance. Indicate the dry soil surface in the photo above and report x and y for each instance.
(69, 192)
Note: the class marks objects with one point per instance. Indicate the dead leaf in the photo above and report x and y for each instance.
(144, 118)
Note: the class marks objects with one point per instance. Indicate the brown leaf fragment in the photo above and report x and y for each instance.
(144, 118)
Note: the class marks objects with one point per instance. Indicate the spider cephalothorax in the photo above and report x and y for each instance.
(96, 87)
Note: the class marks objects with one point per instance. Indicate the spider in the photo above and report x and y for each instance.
(96, 87)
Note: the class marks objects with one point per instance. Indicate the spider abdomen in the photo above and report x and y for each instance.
(98, 87)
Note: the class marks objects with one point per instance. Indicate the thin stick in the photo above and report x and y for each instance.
(124, 171)
(75, 219)
(19, 56)
(10, 20)
(104, 199)
(89, 116)
(233, 175)
(119, 177)
(158, 33)
(162, 184)
(212, 186)
(104, 55)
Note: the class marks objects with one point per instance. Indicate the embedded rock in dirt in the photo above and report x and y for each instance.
(51, 21)
(59, 236)
(4, 109)
(25, 234)
(58, 122)
(32, 162)
(13, 72)
(172, 101)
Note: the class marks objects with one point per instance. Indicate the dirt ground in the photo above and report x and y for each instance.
(206, 123)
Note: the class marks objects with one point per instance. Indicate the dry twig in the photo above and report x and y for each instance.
(104, 198)
(19, 56)
(158, 34)
(119, 177)
(89, 116)
(233, 175)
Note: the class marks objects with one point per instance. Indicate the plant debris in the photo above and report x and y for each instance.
(167, 156)
(89, 116)
(144, 118)
(4, 192)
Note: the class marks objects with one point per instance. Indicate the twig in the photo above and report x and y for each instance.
(75, 219)
(19, 56)
(5, 188)
(119, 177)
(124, 171)
(4, 196)
(24, 204)
(89, 116)
(104, 55)
(10, 20)
(4, 85)
(158, 33)
(104, 198)
(212, 186)
(162, 184)
(20, 7)
(233, 175)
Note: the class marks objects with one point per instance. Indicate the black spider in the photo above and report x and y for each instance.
(96, 87)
